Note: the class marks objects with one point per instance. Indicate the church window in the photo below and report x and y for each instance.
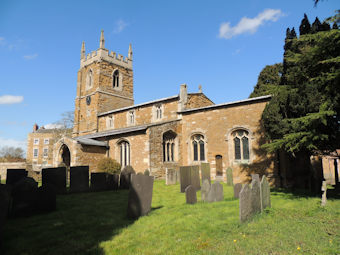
(109, 122)
(124, 153)
(169, 146)
(198, 147)
(115, 79)
(241, 145)
(131, 117)
(158, 112)
(35, 152)
(89, 79)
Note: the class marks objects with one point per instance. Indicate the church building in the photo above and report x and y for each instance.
(179, 130)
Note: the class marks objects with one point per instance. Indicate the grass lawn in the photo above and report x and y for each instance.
(96, 223)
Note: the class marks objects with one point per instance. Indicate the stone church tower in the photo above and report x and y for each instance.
(105, 82)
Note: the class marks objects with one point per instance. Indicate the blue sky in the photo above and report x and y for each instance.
(222, 45)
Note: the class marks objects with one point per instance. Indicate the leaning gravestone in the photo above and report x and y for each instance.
(255, 177)
(229, 176)
(140, 195)
(189, 175)
(246, 209)
(256, 196)
(56, 177)
(237, 190)
(125, 177)
(190, 195)
(205, 172)
(98, 181)
(79, 178)
(265, 192)
(15, 175)
(216, 193)
(4, 204)
(171, 176)
(205, 190)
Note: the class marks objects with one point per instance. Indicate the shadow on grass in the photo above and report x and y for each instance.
(80, 224)
(332, 193)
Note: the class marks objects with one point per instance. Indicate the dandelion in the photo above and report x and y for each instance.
(298, 248)
(235, 241)
(244, 236)
(330, 241)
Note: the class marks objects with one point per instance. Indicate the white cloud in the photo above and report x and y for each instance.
(9, 99)
(120, 25)
(53, 126)
(13, 143)
(29, 57)
(248, 25)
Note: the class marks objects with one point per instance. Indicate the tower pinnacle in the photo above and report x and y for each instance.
(102, 40)
(130, 52)
(82, 52)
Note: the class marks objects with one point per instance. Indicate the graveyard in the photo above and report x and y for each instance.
(97, 223)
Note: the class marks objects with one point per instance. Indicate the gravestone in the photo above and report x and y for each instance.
(324, 195)
(147, 172)
(125, 177)
(237, 190)
(265, 192)
(47, 198)
(256, 196)
(79, 178)
(140, 195)
(15, 175)
(216, 193)
(4, 204)
(171, 176)
(190, 195)
(112, 181)
(205, 172)
(205, 190)
(229, 176)
(25, 197)
(56, 177)
(189, 175)
(245, 205)
(99, 182)
(255, 177)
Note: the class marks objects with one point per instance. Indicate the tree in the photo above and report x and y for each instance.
(9, 153)
(316, 26)
(305, 26)
(67, 119)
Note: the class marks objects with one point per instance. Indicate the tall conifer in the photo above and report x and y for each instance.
(305, 25)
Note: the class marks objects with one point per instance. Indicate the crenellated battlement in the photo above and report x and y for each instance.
(104, 54)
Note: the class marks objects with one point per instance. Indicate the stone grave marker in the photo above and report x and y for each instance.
(4, 204)
(195, 177)
(112, 181)
(189, 175)
(205, 190)
(140, 195)
(47, 198)
(79, 178)
(256, 196)
(265, 192)
(15, 175)
(56, 177)
(216, 193)
(125, 177)
(98, 181)
(190, 195)
(255, 177)
(324, 195)
(237, 190)
(171, 176)
(245, 205)
(230, 176)
(205, 172)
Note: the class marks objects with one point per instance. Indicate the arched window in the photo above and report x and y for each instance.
(89, 79)
(115, 79)
(169, 146)
(124, 153)
(198, 148)
(241, 144)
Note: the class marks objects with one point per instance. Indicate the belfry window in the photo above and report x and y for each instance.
(198, 148)
(115, 79)
(131, 117)
(124, 153)
(89, 79)
(158, 112)
(169, 146)
(241, 145)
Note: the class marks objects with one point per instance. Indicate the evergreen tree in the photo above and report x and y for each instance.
(305, 25)
(325, 26)
(316, 26)
(288, 33)
(335, 26)
(293, 33)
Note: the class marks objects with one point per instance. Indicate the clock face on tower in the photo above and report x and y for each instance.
(88, 100)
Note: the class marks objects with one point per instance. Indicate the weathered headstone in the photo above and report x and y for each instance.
(98, 181)
(246, 209)
(324, 195)
(15, 175)
(140, 195)
(205, 190)
(255, 177)
(237, 190)
(265, 192)
(171, 176)
(4, 204)
(256, 196)
(216, 193)
(205, 172)
(189, 175)
(112, 181)
(190, 195)
(229, 176)
(79, 179)
(56, 177)
(125, 177)
(47, 198)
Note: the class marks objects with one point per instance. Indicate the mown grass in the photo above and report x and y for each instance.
(96, 223)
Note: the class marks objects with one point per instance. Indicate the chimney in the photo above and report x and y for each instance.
(183, 97)
(35, 127)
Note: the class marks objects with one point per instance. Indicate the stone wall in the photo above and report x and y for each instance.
(197, 100)
(15, 165)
